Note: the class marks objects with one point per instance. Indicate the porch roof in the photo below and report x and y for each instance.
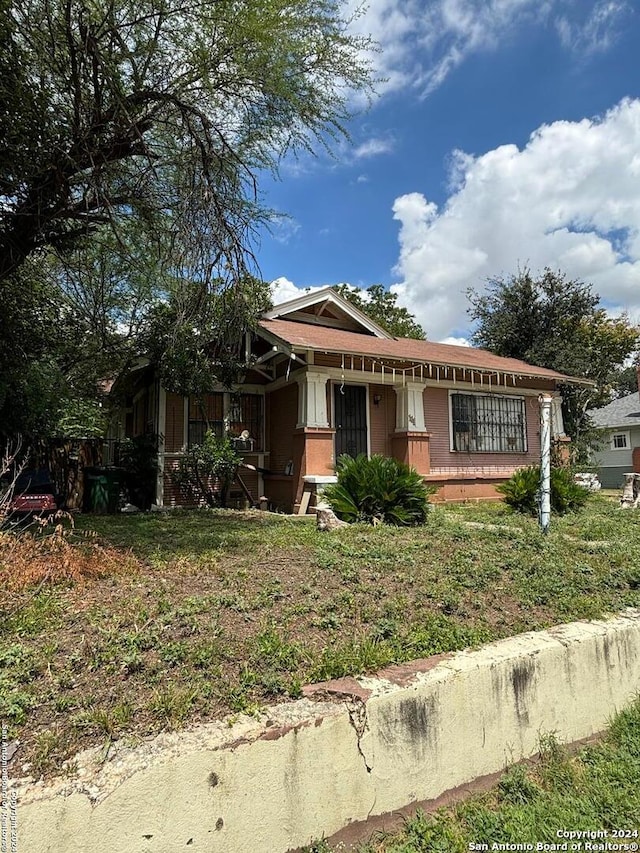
(302, 336)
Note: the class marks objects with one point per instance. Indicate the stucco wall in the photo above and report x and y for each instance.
(348, 750)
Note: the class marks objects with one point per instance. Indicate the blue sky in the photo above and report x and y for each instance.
(507, 133)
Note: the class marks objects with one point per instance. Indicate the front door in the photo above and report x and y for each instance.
(350, 419)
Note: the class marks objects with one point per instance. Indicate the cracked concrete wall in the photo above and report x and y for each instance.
(350, 749)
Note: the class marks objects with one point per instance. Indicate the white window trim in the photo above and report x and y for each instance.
(465, 392)
(627, 437)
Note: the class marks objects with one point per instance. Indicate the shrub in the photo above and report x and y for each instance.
(378, 489)
(139, 459)
(521, 491)
(51, 553)
(207, 470)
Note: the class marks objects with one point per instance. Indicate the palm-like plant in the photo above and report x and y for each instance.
(378, 489)
(521, 491)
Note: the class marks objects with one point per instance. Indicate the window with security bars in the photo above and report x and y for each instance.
(205, 413)
(488, 423)
(245, 413)
(233, 413)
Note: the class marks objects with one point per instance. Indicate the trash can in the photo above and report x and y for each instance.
(102, 490)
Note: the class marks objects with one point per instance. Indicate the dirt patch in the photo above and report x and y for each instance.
(204, 614)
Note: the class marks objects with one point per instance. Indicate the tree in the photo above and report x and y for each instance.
(624, 380)
(133, 135)
(196, 337)
(381, 305)
(63, 330)
(558, 323)
(163, 111)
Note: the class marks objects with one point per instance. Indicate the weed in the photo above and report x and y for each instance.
(172, 705)
(105, 721)
(174, 653)
(41, 612)
(275, 652)
(47, 745)
(14, 702)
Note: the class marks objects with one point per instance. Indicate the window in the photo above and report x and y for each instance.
(230, 413)
(205, 413)
(620, 441)
(488, 423)
(245, 413)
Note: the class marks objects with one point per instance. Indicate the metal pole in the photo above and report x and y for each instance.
(544, 512)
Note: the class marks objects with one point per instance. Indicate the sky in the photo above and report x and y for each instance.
(506, 135)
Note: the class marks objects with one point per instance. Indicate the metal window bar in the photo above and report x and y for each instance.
(246, 413)
(488, 424)
(203, 415)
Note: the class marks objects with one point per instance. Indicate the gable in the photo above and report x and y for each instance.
(328, 309)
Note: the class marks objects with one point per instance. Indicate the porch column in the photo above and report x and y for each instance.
(410, 440)
(560, 439)
(312, 444)
(557, 421)
(312, 400)
(410, 407)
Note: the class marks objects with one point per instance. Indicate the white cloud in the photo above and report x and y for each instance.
(569, 200)
(283, 290)
(456, 342)
(283, 228)
(373, 147)
(422, 43)
(597, 32)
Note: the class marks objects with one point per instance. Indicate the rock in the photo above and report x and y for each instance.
(588, 481)
(326, 519)
(631, 493)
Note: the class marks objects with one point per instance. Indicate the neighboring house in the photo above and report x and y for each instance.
(326, 380)
(618, 451)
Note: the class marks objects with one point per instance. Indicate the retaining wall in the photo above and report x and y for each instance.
(348, 750)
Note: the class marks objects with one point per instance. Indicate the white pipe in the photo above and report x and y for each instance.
(544, 513)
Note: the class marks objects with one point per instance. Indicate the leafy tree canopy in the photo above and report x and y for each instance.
(558, 323)
(196, 337)
(163, 111)
(382, 306)
(133, 135)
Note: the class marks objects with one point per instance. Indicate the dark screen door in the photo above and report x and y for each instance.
(350, 419)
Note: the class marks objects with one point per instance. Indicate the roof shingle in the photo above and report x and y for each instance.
(622, 412)
(326, 339)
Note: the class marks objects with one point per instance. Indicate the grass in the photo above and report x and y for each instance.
(207, 613)
(596, 790)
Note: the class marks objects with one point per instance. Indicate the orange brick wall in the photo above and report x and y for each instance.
(464, 490)
(174, 496)
(174, 423)
(281, 418)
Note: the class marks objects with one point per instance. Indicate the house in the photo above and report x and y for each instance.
(326, 380)
(618, 451)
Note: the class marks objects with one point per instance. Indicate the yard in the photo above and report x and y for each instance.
(188, 616)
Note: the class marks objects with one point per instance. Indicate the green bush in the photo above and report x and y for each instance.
(378, 489)
(139, 459)
(207, 471)
(521, 491)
